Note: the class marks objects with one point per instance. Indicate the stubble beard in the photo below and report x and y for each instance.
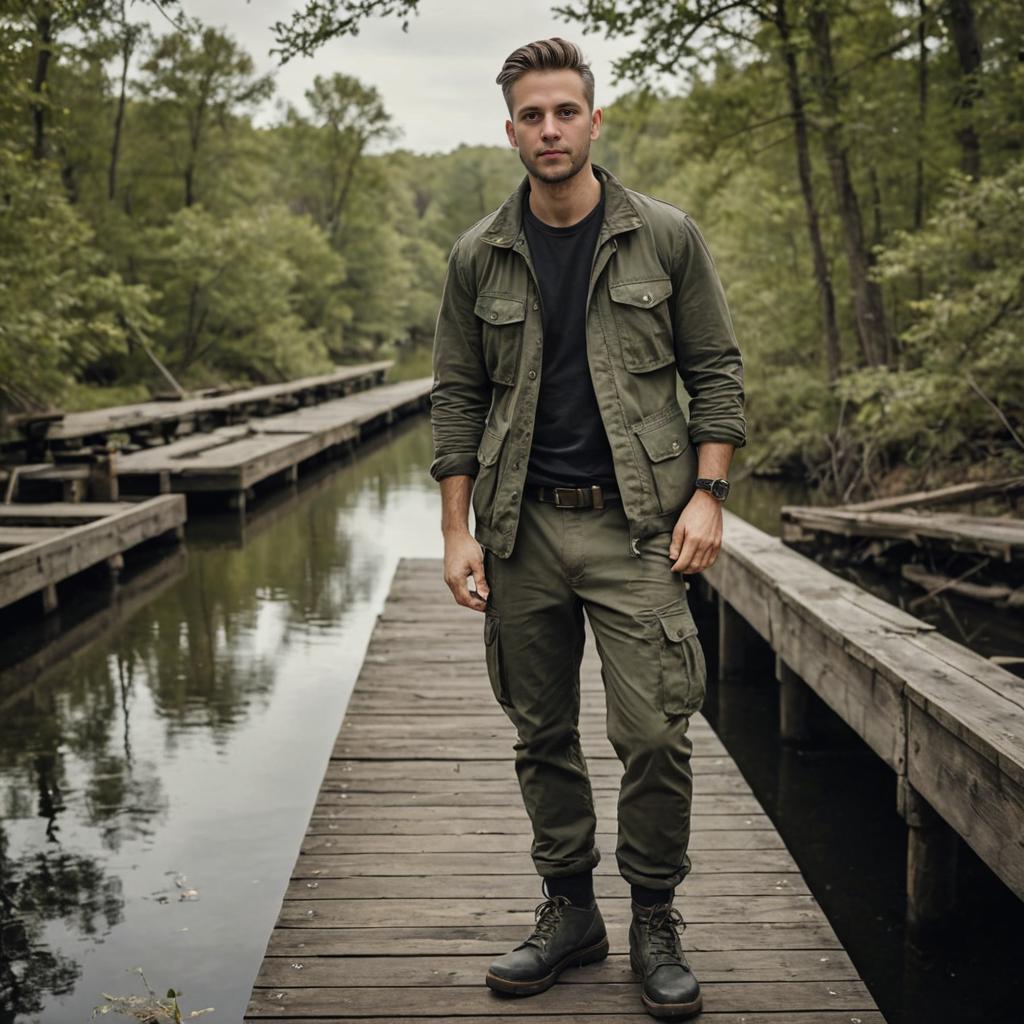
(553, 177)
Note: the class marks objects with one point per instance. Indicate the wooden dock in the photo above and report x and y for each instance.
(42, 545)
(919, 519)
(1000, 537)
(179, 416)
(231, 460)
(947, 721)
(415, 873)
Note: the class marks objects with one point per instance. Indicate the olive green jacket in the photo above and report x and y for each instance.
(656, 311)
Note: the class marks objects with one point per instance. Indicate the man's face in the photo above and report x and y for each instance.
(551, 124)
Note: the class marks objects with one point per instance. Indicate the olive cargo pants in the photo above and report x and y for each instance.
(566, 561)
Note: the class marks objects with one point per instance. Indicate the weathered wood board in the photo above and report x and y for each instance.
(947, 720)
(1000, 537)
(232, 459)
(415, 869)
(57, 541)
(98, 423)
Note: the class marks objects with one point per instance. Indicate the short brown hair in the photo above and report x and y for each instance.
(553, 54)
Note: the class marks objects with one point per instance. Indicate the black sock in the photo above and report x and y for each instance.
(650, 897)
(578, 889)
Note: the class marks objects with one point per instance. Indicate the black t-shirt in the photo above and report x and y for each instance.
(570, 446)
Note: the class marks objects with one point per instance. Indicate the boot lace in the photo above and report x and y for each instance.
(546, 916)
(662, 935)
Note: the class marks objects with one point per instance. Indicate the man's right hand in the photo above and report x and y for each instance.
(463, 557)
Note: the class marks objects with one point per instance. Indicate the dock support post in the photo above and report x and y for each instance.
(237, 501)
(49, 596)
(732, 643)
(931, 859)
(794, 704)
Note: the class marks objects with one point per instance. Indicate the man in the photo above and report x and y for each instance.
(567, 317)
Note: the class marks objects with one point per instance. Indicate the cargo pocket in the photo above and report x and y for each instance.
(683, 669)
(492, 647)
(644, 323)
(673, 462)
(502, 332)
(485, 486)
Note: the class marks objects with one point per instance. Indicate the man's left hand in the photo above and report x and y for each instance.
(697, 535)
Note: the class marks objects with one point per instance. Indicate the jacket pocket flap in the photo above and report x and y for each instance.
(490, 447)
(494, 309)
(677, 623)
(645, 294)
(665, 441)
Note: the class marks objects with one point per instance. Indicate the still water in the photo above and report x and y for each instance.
(160, 756)
(155, 785)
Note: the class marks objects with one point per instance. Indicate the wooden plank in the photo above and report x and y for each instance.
(598, 998)
(33, 567)
(997, 536)
(18, 536)
(970, 491)
(98, 422)
(415, 869)
(711, 966)
(876, 666)
(698, 883)
(235, 458)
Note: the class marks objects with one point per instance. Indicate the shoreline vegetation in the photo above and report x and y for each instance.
(859, 177)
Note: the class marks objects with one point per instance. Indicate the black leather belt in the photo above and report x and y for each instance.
(575, 497)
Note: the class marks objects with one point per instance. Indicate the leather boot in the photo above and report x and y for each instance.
(563, 936)
(655, 953)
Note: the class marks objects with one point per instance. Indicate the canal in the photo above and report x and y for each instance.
(160, 756)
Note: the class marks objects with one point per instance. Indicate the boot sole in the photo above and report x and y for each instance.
(678, 1010)
(578, 958)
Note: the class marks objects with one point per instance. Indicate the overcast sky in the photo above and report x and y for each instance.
(437, 79)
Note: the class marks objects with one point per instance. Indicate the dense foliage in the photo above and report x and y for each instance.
(857, 169)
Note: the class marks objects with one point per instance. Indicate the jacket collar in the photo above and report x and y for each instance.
(619, 212)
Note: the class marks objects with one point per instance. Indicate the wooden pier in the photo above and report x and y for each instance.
(232, 460)
(947, 721)
(415, 872)
(920, 519)
(42, 545)
(166, 419)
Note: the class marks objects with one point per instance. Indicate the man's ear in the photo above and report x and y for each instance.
(596, 119)
(510, 132)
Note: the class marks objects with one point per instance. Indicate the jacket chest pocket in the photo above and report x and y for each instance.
(502, 318)
(644, 323)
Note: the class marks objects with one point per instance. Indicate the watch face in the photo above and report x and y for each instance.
(720, 489)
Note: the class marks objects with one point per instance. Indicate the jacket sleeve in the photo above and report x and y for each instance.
(461, 392)
(707, 354)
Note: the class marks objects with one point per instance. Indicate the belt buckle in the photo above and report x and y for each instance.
(573, 492)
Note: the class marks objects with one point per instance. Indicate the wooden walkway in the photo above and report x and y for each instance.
(173, 416)
(1000, 537)
(42, 545)
(415, 872)
(233, 459)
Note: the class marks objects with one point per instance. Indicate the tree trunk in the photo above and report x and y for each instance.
(822, 275)
(44, 28)
(127, 47)
(922, 126)
(867, 296)
(960, 19)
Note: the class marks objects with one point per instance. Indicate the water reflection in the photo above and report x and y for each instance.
(171, 746)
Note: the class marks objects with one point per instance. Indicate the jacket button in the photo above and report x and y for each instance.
(647, 298)
(532, 375)
(508, 380)
(494, 316)
(675, 446)
(536, 305)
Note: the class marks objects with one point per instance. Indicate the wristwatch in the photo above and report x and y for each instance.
(719, 487)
